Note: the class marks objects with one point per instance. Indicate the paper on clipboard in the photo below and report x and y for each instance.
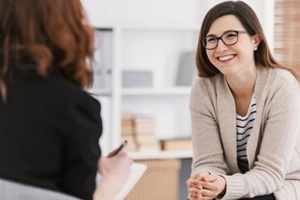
(136, 172)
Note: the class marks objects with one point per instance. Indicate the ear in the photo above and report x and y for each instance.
(256, 41)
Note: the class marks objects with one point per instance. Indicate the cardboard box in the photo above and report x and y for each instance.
(160, 181)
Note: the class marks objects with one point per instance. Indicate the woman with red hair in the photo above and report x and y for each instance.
(49, 126)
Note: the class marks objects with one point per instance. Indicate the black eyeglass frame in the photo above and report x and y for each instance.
(220, 38)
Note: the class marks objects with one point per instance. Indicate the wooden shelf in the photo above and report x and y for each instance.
(100, 92)
(161, 155)
(156, 91)
(154, 26)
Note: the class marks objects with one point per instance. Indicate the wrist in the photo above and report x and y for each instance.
(104, 191)
(223, 189)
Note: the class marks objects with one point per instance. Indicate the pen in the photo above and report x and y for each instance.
(116, 151)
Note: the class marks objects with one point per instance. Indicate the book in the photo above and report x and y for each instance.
(146, 138)
(149, 147)
(103, 58)
(176, 144)
(127, 123)
(186, 69)
(144, 125)
(145, 128)
(127, 131)
(136, 172)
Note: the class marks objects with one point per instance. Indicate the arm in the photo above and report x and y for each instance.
(82, 156)
(81, 151)
(207, 145)
(207, 148)
(114, 172)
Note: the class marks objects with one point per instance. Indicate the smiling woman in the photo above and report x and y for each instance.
(246, 137)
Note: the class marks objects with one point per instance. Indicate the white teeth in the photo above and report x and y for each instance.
(224, 58)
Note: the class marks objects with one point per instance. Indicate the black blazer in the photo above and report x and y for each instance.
(49, 134)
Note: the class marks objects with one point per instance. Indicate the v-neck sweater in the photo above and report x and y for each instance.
(273, 148)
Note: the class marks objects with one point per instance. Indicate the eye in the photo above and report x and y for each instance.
(211, 40)
(230, 35)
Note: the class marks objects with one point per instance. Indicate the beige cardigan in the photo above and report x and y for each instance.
(273, 148)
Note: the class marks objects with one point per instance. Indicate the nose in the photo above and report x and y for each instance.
(221, 46)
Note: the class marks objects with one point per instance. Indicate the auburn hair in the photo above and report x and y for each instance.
(51, 33)
(245, 14)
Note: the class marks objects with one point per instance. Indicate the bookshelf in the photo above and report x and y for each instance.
(155, 48)
(148, 37)
(173, 91)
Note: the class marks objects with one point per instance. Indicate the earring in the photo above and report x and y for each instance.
(255, 48)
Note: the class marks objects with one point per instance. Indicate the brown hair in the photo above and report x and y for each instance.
(51, 33)
(250, 22)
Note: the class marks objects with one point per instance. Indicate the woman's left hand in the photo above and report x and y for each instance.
(209, 187)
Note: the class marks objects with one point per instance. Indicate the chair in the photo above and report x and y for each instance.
(10, 190)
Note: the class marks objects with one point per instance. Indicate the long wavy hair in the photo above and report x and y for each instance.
(250, 22)
(50, 33)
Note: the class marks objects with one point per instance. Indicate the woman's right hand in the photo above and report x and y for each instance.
(206, 186)
(194, 187)
(114, 172)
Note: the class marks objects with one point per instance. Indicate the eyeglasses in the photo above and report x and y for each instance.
(228, 38)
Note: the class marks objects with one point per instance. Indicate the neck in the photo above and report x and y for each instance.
(242, 85)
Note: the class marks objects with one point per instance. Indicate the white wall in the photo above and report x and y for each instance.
(188, 11)
(143, 10)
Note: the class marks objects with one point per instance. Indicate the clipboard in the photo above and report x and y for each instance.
(136, 172)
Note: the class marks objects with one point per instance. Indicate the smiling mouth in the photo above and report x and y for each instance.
(226, 58)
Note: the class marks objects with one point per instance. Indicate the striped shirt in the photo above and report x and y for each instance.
(244, 126)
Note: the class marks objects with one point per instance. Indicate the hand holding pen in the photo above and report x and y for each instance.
(116, 162)
(117, 150)
(114, 170)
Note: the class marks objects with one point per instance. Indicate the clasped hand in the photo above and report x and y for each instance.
(205, 186)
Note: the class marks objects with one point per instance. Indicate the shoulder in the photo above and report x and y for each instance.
(208, 86)
(57, 97)
(280, 84)
(67, 92)
(205, 91)
(79, 111)
(277, 77)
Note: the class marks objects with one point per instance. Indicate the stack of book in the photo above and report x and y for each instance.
(144, 127)
(128, 132)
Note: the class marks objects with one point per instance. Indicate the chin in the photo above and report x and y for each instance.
(228, 71)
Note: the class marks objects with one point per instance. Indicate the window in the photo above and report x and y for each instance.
(287, 32)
